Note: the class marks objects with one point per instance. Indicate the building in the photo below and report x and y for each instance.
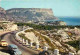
(62, 23)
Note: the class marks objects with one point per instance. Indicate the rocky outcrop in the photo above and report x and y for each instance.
(2, 14)
(8, 26)
(30, 14)
(2, 11)
(26, 14)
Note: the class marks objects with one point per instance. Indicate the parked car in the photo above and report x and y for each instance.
(14, 49)
(44, 53)
(3, 43)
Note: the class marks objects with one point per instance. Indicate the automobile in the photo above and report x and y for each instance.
(14, 49)
(44, 53)
(3, 43)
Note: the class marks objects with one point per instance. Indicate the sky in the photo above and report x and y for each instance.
(60, 7)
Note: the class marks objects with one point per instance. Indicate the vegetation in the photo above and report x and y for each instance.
(23, 36)
(1, 28)
(75, 44)
(29, 30)
(42, 37)
(44, 27)
(46, 39)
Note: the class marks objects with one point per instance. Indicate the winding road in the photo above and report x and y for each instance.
(9, 37)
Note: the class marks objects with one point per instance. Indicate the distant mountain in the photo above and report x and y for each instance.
(26, 14)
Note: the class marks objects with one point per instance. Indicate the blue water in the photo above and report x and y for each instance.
(71, 20)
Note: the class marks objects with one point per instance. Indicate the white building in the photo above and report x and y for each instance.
(63, 23)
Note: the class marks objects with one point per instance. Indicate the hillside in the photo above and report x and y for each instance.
(26, 14)
(30, 14)
(2, 14)
(47, 38)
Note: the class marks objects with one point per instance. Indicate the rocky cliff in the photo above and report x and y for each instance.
(2, 14)
(27, 14)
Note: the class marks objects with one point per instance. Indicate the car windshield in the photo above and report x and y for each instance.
(14, 48)
(3, 41)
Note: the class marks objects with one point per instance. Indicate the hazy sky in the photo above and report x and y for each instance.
(60, 7)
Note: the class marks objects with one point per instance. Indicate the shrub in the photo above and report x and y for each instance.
(23, 36)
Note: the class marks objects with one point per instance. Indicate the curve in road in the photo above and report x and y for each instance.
(25, 51)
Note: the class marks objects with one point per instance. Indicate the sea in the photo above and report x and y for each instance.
(70, 20)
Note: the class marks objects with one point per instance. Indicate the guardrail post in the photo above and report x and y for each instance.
(20, 39)
(45, 48)
(31, 44)
(23, 41)
(26, 42)
(37, 46)
(71, 53)
(56, 52)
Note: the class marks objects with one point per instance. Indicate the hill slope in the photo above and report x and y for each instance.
(26, 14)
(2, 14)
(30, 14)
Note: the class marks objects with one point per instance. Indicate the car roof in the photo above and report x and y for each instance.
(13, 46)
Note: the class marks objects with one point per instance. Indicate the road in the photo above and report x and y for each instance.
(25, 51)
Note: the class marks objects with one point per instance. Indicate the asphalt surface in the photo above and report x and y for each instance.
(9, 37)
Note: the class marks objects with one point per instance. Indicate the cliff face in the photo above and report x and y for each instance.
(2, 11)
(27, 14)
(2, 14)
(34, 10)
